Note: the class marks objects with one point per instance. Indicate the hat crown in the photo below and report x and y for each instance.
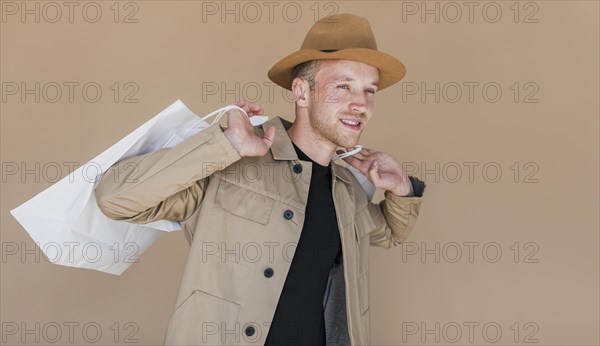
(340, 31)
(341, 36)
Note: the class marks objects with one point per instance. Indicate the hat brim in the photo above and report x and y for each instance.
(390, 69)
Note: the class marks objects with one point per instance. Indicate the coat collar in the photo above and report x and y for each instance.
(282, 148)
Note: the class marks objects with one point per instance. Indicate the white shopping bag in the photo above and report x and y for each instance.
(65, 221)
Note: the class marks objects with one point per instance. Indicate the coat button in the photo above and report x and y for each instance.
(268, 272)
(288, 214)
(249, 331)
(297, 168)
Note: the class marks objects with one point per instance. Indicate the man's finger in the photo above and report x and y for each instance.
(360, 156)
(247, 107)
(374, 173)
(269, 136)
(235, 112)
(354, 162)
(255, 108)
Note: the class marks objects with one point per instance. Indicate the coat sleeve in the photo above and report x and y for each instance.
(167, 184)
(394, 217)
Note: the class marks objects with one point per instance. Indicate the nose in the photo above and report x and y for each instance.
(358, 103)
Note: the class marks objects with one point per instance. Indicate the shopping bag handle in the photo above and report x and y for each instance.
(356, 149)
(219, 112)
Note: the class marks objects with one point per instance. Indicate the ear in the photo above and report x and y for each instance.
(300, 89)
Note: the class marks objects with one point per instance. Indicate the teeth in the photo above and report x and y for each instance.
(355, 123)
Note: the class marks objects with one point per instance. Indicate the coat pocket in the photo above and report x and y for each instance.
(244, 203)
(203, 318)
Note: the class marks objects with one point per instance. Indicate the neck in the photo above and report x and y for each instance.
(314, 146)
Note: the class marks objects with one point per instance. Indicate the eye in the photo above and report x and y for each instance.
(343, 86)
(371, 91)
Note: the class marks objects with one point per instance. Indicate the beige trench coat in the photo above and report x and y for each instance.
(242, 218)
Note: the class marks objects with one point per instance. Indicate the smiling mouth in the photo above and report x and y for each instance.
(354, 125)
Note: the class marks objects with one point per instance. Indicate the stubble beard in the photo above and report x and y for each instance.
(330, 131)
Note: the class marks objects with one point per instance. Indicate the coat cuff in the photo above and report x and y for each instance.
(418, 186)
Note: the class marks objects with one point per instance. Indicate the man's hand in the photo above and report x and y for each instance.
(382, 171)
(250, 108)
(240, 132)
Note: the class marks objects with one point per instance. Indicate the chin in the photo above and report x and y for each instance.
(347, 144)
(344, 141)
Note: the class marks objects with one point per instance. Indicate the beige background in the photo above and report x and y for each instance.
(171, 53)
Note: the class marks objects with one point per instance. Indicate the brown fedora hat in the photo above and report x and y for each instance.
(340, 36)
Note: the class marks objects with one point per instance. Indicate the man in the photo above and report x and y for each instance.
(279, 233)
